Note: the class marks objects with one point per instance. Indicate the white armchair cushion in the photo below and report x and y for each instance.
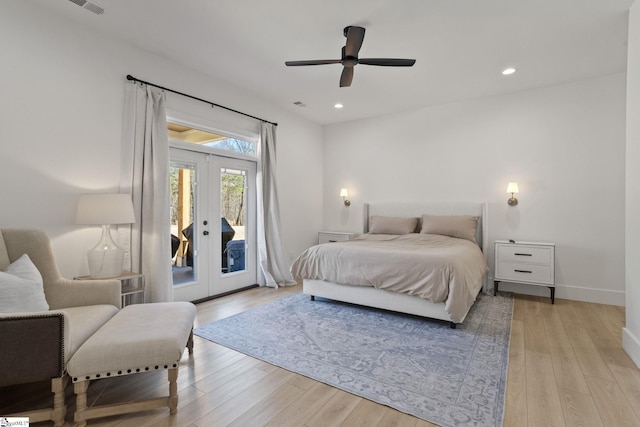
(21, 287)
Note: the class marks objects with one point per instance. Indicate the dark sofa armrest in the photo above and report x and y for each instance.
(32, 347)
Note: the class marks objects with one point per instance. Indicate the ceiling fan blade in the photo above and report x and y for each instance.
(355, 36)
(346, 77)
(312, 62)
(387, 62)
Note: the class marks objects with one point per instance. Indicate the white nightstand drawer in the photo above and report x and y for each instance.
(523, 272)
(525, 254)
(335, 236)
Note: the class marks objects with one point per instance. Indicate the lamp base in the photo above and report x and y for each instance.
(512, 201)
(105, 259)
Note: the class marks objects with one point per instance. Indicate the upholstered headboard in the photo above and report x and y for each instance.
(417, 209)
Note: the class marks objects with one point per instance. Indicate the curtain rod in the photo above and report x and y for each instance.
(213, 104)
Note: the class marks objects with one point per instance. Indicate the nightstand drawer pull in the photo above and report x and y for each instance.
(519, 254)
(523, 271)
(332, 241)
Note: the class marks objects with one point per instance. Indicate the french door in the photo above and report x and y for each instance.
(213, 224)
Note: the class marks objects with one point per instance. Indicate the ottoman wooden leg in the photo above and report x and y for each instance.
(190, 342)
(173, 391)
(80, 389)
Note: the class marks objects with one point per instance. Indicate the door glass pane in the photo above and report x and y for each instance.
(233, 212)
(182, 184)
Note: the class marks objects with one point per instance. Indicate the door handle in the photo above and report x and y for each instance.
(205, 232)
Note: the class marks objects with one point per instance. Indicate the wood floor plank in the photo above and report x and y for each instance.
(591, 361)
(566, 367)
(231, 408)
(534, 332)
(265, 409)
(304, 407)
(365, 414)
(612, 319)
(579, 409)
(608, 345)
(568, 313)
(611, 403)
(628, 379)
(302, 382)
(334, 411)
(515, 414)
(543, 402)
(518, 309)
(224, 377)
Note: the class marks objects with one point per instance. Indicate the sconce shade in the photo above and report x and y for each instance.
(512, 188)
(344, 193)
(105, 209)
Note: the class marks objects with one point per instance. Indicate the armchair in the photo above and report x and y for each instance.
(37, 345)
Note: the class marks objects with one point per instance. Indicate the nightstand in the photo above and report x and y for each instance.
(335, 236)
(132, 284)
(529, 263)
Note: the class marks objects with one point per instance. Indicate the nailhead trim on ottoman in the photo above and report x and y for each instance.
(139, 338)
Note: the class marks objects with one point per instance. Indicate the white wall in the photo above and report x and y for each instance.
(631, 333)
(564, 145)
(61, 121)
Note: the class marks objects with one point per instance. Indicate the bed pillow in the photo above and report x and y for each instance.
(392, 225)
(462, 226)
(21, 287)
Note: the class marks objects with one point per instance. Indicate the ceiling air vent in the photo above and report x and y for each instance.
(90, 6)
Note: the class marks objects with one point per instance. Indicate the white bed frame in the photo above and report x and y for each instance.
(403, 303)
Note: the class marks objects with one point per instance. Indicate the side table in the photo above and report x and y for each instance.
(132, 287)
(529, 263)
(335, 236)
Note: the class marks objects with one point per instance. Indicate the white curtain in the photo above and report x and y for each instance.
(271, 253)
(145, 175)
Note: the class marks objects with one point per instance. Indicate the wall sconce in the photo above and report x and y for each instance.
(344, 193)
(512, 188)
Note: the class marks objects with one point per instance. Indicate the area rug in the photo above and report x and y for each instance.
(450, 377)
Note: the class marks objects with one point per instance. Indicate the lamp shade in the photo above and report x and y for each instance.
(344, 192)
(512, 187)
(105, 209)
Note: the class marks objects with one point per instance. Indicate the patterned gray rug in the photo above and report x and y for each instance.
(449, 377)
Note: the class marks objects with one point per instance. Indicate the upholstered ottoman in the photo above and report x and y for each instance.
(139, 338)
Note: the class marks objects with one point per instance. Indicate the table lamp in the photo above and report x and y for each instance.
(105, 259)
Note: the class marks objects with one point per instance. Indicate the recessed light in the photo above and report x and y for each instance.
(508, 71)
(338, 106)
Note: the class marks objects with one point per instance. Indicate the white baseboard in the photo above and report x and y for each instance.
(631, 345)
(574, 293)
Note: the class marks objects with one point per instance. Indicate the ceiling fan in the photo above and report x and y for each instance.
(355, 36)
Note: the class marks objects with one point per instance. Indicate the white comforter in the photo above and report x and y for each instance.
(436, 268)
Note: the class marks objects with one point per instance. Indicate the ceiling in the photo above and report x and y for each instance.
(460, 46)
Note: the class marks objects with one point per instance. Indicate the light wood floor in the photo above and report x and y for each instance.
(566, 368)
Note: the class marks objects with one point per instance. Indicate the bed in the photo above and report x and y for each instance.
(350, 271)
